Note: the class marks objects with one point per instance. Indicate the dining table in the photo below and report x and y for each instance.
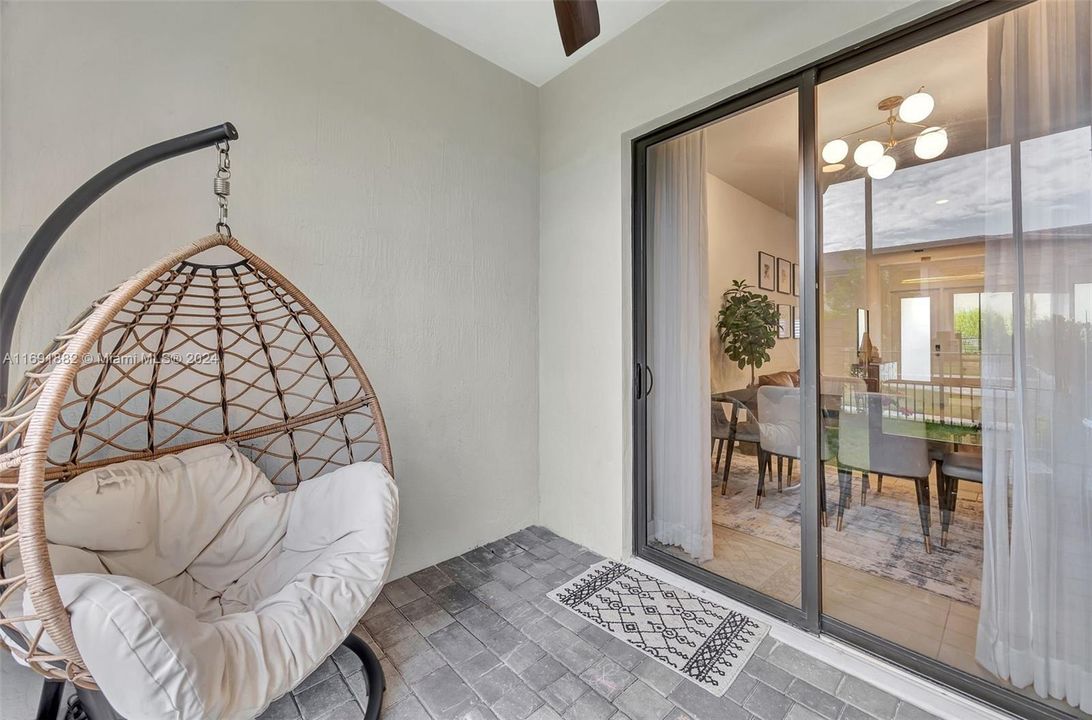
(941, 436)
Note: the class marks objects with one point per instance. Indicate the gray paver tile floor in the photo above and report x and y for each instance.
(476, 638)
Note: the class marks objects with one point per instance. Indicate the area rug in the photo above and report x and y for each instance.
(882, 537)
(697, 638)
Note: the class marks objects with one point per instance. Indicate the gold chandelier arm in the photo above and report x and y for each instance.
(861, 130)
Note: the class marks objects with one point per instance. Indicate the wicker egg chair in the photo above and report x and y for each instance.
(184, 354)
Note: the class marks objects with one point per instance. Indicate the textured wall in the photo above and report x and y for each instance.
(681, 57)
(389, 173)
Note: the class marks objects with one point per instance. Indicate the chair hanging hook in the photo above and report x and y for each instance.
(221, 186)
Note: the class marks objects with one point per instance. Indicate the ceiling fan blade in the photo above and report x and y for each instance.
(578, 21)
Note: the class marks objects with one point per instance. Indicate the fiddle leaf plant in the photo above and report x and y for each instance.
(747, 325)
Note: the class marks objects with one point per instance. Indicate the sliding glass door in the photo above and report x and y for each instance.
(958, 423)
(863, 388)
(721, 338)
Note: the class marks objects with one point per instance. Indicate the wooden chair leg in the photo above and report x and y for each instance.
(845, 489)
(788, 476)
(718, 448)
(942, 503)
(822, 492)
(727, 467)
(921, 485)
(763, 464)
(879, 483)
(864, 489)
(951, 490)
(780, 470)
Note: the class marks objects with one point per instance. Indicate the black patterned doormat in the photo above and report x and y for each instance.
(697, 638)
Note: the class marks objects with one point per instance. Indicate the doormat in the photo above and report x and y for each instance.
(697, 638)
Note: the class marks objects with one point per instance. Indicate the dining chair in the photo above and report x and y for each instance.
(779, 436)
(835, 392)
(863, 445)
(727, 431)
(956, 466)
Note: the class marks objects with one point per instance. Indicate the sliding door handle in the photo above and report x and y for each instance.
(639, 390)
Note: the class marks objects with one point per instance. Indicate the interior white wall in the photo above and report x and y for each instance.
(740, 226)
(389, 173)
(681, 57)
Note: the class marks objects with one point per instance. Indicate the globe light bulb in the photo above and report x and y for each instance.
(931, 143)
(916, 108)
(835, 151)
(882, 168)
(868, 152)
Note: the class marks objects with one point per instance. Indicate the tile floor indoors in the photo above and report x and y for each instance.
(475, 637)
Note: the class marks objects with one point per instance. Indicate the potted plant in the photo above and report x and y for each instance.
(747, 326)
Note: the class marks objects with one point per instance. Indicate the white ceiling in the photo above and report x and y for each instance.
(519, 35)
(756, 150)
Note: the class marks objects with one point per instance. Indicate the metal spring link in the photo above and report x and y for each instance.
(221, 187)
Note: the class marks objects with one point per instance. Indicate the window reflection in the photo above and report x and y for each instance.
(954, 198)
(957, 427)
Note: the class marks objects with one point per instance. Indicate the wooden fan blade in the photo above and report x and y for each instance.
(578, 21)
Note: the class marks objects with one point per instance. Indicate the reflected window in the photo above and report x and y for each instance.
(916, 339)
(965, 197)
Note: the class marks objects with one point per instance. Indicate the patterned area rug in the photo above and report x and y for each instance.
(882, 537)
(703, 641)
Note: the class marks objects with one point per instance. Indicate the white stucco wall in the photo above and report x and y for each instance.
(389, 173)
(681, 57)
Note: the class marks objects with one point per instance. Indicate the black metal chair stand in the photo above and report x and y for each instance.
(49, 703)
(373, 675)
(92, 704)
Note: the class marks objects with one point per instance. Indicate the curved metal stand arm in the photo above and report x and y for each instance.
(373, 675)
(22, 273)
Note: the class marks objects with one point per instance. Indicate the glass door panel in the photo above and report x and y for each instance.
(723, 346)
(956, 262)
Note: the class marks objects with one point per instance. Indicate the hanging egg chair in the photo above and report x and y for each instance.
(196, 494)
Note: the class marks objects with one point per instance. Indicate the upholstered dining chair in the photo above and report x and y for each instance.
(779, 436)
(727, 431)
(864, 446)
(956, 466)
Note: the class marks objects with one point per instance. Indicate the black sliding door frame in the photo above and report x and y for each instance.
(802, 83)
(641, 268)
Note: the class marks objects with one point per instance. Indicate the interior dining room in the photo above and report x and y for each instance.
(953, 292)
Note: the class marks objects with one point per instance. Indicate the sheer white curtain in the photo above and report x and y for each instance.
(1035, 624)
(678, 310)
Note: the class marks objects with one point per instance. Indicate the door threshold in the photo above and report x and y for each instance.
(914, 689)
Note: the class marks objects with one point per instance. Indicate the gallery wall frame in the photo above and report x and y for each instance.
(784, 321)
(784, 276)
(767, 272)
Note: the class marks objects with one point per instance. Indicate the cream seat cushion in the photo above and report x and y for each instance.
(197, 591)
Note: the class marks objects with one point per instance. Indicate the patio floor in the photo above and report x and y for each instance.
(475, 637)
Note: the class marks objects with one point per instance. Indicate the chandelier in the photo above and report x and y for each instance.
(929, 141)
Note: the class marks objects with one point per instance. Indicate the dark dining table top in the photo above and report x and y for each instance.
(744, 395)
(941, 434)
(748, 396)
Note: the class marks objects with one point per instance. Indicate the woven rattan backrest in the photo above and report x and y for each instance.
(183, 354)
